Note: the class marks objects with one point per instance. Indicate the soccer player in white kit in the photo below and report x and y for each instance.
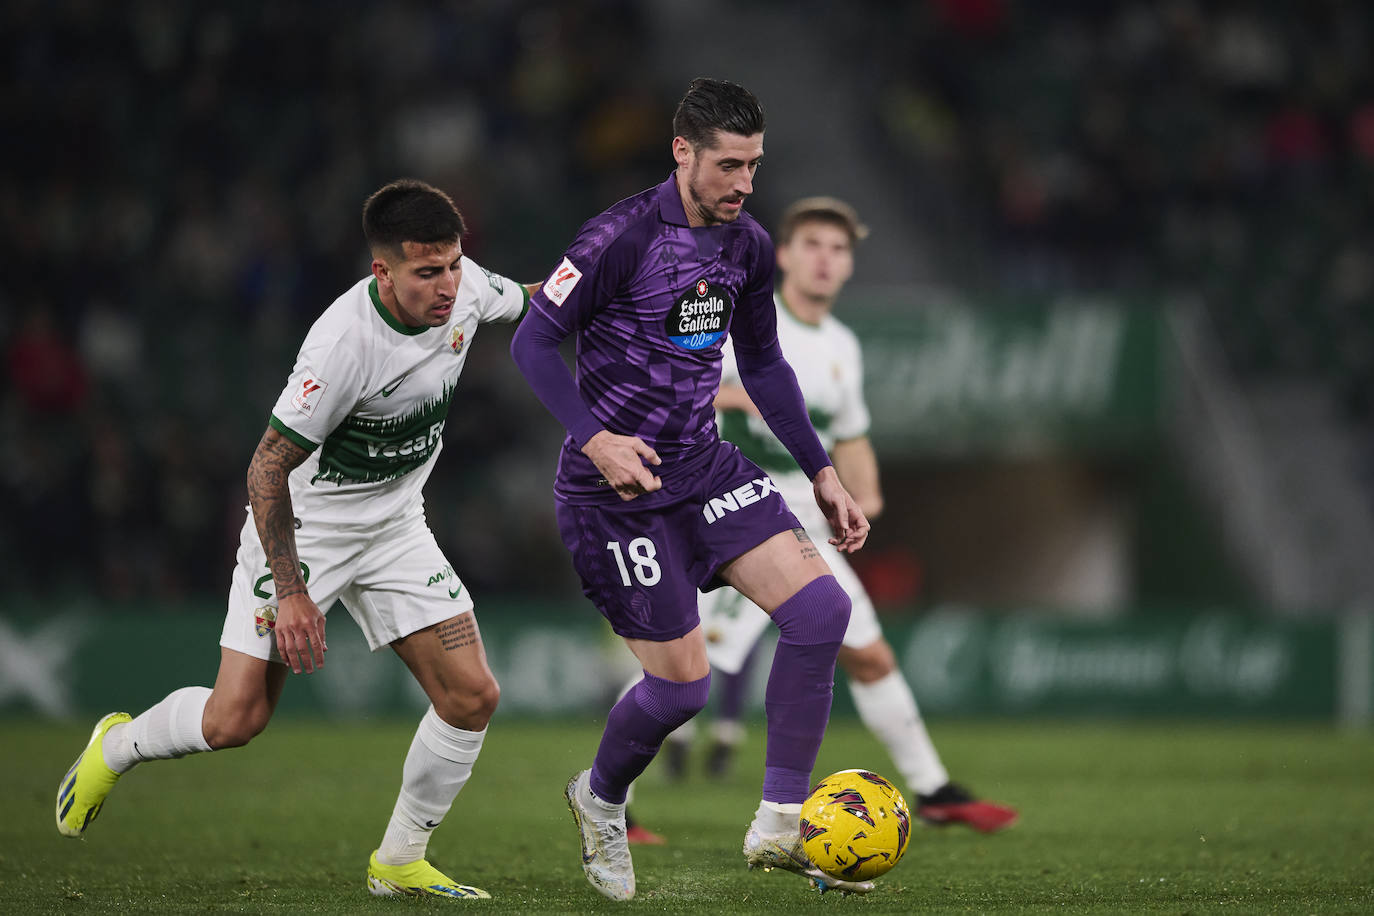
(815, 251)
(336, 513)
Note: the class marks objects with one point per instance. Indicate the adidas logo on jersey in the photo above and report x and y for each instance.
(736, 499)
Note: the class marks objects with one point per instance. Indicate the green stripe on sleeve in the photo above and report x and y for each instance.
(291, 434)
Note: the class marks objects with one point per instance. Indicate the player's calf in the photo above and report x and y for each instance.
(811, 625)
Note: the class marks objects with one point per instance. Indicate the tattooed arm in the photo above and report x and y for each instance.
(300, 625)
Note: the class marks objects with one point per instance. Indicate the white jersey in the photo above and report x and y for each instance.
(369, 397)
(829, 366)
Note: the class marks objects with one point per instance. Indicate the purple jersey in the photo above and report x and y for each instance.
(651, 301)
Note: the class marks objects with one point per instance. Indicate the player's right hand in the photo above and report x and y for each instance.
(846, 519)
(300, 633)
(621, 461)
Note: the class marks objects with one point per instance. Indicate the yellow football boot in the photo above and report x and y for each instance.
(82, 792)
(416, 879)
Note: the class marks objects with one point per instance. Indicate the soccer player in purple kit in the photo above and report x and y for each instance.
(653, 505)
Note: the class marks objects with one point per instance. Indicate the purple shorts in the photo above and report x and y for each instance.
(642, 561)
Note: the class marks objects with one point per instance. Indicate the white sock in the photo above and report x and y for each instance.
(727, 731)
(889, 710)
(686, 733)
(437, 766)
(589, 798)
(170, 729)
(775, 818)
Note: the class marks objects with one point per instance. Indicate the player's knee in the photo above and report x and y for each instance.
(869, 663)
(673, 702)
(470, 707)
(484, 702)
(236, 725)
(817, 613)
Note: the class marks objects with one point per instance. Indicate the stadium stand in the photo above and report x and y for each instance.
(178, 179)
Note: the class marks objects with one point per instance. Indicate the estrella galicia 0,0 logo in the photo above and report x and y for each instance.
(700, 316)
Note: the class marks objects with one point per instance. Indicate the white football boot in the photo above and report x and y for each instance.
(770, 851)
(605, 848)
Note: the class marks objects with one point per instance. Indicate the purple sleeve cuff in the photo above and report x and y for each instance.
(535, 351)
(772, 386)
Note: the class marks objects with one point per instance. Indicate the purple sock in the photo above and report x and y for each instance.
(811, 625)
(636, 727)
(733, 688)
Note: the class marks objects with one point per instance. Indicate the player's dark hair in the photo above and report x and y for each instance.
(407, 210)
(711, 106)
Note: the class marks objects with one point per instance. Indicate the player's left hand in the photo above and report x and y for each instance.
(622, 462)
(846, 519)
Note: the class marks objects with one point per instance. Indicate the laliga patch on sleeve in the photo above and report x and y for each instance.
(308, 395)
(562, 282)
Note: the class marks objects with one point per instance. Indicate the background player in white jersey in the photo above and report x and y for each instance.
(815, 250)
(336, 513)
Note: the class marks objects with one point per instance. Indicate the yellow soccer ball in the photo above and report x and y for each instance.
(855, 825)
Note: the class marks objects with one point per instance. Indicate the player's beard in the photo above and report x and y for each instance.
(710, 212)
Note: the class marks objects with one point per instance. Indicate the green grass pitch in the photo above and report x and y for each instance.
(1187, 818)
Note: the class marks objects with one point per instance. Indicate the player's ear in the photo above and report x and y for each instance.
(381, 270)
(682, 152)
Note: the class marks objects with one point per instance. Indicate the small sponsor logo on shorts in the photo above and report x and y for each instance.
(264, 620)
(442, 575)
(446, 575)
(734, 500)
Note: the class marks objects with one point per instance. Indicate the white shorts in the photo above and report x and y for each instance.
(393, 580)
(732, 623)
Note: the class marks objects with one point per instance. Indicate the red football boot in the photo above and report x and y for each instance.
(952, 804)
(639, 835)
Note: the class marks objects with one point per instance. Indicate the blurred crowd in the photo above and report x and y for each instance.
(183, 186)
(182, 196)
(1224, 149)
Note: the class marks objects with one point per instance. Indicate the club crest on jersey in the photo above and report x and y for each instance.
(455, 340)
(264, 620)
(700, 316)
